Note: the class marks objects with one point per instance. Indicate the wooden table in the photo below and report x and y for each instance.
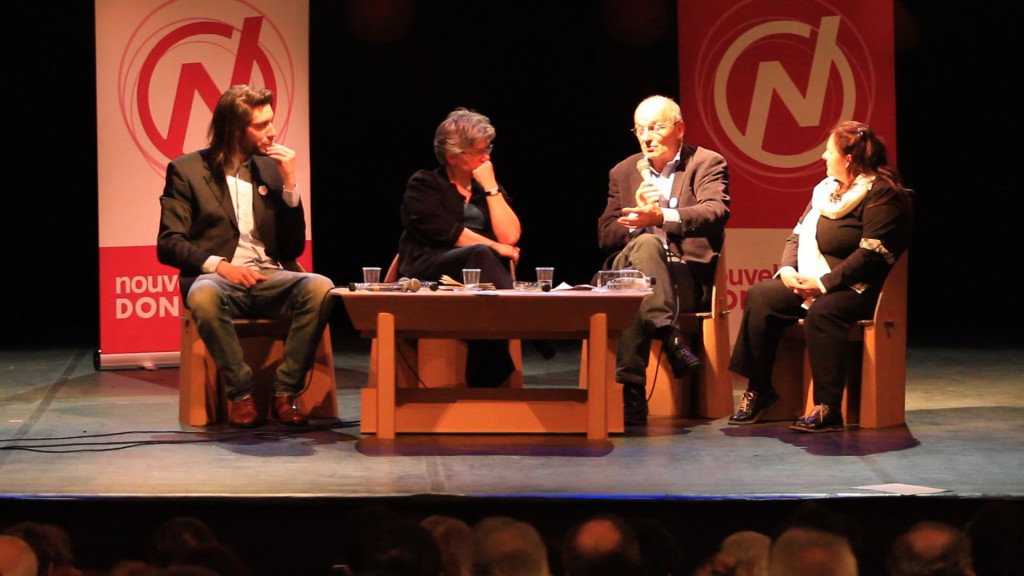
(598, 317)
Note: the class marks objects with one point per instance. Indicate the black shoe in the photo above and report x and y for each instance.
(680, 357)
(634, 404)
(821, 419)
(753, 405)
(544, 348)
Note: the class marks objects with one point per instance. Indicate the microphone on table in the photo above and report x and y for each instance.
(411, 284)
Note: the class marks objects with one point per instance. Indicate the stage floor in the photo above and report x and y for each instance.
(66, 426)
(102, 454)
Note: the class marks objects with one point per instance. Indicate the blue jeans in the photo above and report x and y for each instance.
(300, 296)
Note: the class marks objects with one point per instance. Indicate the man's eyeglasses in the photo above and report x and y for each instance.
(480, 151)
(654, 128)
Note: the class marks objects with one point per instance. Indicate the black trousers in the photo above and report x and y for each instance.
(771, 306)
(488, 362)
(493, 268)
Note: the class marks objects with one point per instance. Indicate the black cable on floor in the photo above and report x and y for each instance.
(58, 447)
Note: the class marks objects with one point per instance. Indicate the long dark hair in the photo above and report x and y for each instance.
(231, 117)
(867, 153)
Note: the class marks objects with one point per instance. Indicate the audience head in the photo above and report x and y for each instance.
(362, 533)
(815, 535)
(743, 553)
(127, 567)
(804, 551)
(456, 542)
(660, 552)
(509, 547)
(462, 131)
(17, 557)
(52, 547)
(931, 549)
(811, 514)
(399, 548)
(749, 550)
(603, 544)
(216, 557)
(177, 536)
(997, 538)
(186, 570)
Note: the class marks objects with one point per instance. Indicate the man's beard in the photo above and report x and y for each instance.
(252, 149)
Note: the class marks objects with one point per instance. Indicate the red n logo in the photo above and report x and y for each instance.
(193, 78)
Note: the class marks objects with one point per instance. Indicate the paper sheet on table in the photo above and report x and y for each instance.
(904, 489)
(564, 286)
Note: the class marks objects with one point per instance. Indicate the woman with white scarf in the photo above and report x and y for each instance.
(834, 264)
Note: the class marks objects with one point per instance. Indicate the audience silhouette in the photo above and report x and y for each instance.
(601, 545)
(931, 548)
(456, 542)
(374, 540)
(509, 547)
(17, 557)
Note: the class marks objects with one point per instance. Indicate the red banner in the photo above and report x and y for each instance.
(763, 82)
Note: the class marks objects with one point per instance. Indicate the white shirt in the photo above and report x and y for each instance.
(663, 181)
(251, 251)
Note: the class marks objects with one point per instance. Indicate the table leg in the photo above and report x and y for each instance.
(385, 376)
(597, 378)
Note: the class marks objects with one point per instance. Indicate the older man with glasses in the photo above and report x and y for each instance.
(665, 216)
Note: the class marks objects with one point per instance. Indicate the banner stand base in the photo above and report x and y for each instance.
(144, 360)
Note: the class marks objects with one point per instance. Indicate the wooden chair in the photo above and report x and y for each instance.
(438, 363)
(392, 274)
(709, 394)
(875, 394)
(202, 400)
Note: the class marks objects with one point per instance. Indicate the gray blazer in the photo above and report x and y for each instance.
(701, 190)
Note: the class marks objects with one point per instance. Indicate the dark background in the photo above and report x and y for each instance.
(560, 81)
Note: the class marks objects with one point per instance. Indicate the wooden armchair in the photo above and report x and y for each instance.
(875, 395)
(201, 398)
(709, 393)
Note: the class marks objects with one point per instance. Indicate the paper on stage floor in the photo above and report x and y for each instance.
(904, 489)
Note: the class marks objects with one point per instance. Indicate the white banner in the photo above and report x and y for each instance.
(160, 68)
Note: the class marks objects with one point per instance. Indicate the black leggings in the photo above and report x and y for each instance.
(771, 306)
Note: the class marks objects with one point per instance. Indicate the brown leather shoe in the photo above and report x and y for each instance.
(242, 413)
(287, 412)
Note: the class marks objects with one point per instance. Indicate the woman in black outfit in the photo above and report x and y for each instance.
(456, 216)
(834, 264)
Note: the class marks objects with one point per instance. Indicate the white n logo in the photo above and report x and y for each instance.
(772, 78)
